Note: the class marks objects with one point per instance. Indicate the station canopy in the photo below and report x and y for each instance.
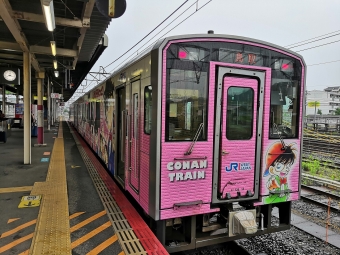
(79, 36)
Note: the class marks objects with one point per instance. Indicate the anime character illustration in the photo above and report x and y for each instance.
(279, 160)
(103, 151)
(109, 122)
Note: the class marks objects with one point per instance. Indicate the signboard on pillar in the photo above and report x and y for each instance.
(19, 111)
(40, 116)
(55, 95)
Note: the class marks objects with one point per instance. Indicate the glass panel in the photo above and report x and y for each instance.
(240, 111)
(147, 109)
(188, 116)
(286, 76)
(284, 103)
(192, 53)
(135, 116)
(186, 104)
(97, 122)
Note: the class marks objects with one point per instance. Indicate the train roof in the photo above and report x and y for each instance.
(163, 41)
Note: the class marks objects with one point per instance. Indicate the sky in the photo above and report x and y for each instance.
(279, 22)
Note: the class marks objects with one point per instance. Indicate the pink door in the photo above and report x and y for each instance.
(238, 137)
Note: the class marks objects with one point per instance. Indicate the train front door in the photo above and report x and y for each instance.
(238, 124)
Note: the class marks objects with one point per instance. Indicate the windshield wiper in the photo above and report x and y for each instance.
(279, 134)
(191, 147)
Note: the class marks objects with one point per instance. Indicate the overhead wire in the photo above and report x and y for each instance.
(311, 38)
(317, 46)
(187, 18)
(324, 63)
(68, 8)
(314, 41)
(197, 9)
(147, 34)
(153, 37)
(144, 37)
(304, 42)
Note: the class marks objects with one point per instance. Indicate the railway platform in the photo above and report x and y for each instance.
(65, 202)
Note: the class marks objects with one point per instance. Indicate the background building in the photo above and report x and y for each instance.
(327, 100)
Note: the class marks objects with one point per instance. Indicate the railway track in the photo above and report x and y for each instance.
(320, 196)
(229, 248)
(325, 148)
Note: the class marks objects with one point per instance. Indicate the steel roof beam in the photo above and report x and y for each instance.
(47, 51)
(86, 16)
(10, 46)
(10, 56)
(14, 27)
(11, 61)
(77, 23)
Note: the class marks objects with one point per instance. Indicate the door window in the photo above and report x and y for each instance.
(240, 113)
(147, 109)
(186, 105)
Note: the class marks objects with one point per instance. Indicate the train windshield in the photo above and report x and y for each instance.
(187, 68)
(284, 97)
(186, 105)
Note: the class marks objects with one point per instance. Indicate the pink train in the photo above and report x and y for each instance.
(205, 133)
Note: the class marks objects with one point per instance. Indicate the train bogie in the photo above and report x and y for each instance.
(204, 131)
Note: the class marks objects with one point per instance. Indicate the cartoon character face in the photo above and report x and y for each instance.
(279, 169)
(279, 159)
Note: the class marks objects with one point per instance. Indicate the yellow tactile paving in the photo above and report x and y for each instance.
(16, 189)
(52, 232)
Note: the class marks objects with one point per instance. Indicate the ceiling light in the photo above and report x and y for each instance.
(55, 64)
(53, 47)
(56, 73)
(49, 14)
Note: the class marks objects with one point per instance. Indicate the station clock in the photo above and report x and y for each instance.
(9, 75)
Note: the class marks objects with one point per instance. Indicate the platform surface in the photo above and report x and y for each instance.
(73, 217)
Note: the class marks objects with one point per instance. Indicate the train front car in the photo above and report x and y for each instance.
(226, 138)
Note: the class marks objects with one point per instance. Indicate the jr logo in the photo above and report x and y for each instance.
(233, 166)
(238, 166)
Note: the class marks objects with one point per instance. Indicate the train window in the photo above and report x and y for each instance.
(240, 113)
(284, 109)
(135, 115)
(97, 119)
(193, 53)
(284, 97)
(186, 104)
(147, 109)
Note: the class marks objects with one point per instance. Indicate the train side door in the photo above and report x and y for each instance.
(121, 133)
(239, 127)
(134, 127)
